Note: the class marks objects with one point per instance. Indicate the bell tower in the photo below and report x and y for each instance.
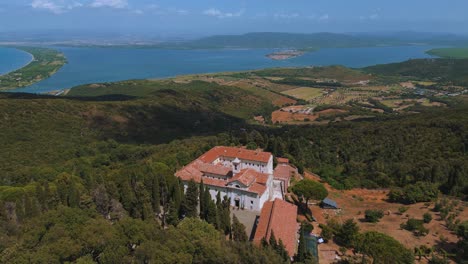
(236, 164)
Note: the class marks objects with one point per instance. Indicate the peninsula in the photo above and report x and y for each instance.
(44, 64)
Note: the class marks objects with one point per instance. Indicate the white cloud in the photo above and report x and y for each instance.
(370, 17)
(138, 12)
(324, 17)
(219, 14)
(55, 6)
(158, 10)
(153, 6)
(181, 11)
(286, 16)
(110, 3)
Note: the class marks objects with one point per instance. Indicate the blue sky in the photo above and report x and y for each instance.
(205, 17)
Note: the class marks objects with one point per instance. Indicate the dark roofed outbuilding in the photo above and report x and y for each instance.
(329, 204)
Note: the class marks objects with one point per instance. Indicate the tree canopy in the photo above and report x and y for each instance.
(308, 189)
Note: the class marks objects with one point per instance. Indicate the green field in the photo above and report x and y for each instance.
(453, 53)
(46, 62)
(304, 93)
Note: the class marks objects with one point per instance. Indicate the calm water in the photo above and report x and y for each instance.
(94, 65)
(12, 59)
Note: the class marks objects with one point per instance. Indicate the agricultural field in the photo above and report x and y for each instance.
(304, 93)
(401, 104)
(46, 62)
(363, 93)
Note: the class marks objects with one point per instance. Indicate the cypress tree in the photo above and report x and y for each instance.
(226, 215)
(207, 201)
(282, 251)
(191, 200)
(272, 241)
(302, 249)
(177, 191)
(263, 242)
(238, 230)
(155, 195)
(211, 214)
(218, 199)
(203, 205)
(172, 213)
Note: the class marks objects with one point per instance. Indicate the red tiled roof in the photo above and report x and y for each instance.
(283, 160)
(190, 173)
(257, 188)
(214, 182)
(279, 216)
(250, 176)
(283, 171)
(255, 181)
(245, 176)
(213, 169)
(232, 152)
(262, 178)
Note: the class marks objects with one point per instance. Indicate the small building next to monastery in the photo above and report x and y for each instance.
(279, 217)
(245, 176)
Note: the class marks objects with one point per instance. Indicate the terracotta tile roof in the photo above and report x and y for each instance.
(279, 216)
(197, 170)
(257, 188)
(283, 160)
(189, 172)
(250, 176)
(214, 169)
(255, 181)
(232, 152)
(284, 171)
(214, 182)
(262, 178)
(245, 176)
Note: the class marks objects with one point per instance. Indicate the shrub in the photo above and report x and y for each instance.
(327, 232)
(308, 227)
(414, 193)
(427, 218)
(402, 209)
(373, 216)
(416, 226)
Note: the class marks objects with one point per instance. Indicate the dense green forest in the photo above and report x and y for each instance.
(83, 180)
(88, 177)
(450, 71)
(429, 147)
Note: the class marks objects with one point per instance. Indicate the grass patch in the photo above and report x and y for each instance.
(304, 93)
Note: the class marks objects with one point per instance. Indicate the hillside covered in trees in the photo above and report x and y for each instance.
(88, 177)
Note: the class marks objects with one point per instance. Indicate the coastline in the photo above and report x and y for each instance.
(25, 65)
(44, 63)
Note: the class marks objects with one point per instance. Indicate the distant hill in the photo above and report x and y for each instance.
(320, 40)
(447, 70)
(450, 53)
